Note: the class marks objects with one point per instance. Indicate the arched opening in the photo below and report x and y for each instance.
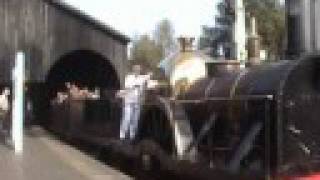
(88, 69)
(84, 68)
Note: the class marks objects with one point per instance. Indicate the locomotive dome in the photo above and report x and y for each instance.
(185, 66)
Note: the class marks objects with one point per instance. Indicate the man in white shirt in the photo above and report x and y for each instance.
(133, 94)
(4, 106)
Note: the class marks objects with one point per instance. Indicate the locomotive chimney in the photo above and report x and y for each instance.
(186, 43)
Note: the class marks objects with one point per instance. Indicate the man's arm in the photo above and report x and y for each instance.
(149, 83)
(120, 93)
(149, 75)
(127, 86)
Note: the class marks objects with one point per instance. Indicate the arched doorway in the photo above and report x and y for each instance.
(85, 68)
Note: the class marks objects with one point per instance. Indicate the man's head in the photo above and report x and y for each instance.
(68, 85)
(73, 86)
(6, 91)
(136, 69)
(59, 94)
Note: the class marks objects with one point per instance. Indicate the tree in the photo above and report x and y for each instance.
(271, 24)
(164, 36)
(213, 38)
(149, 51)
(146, 52)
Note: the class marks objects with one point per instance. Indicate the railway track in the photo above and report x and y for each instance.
(146, 160)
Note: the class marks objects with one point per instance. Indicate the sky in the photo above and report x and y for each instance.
(136, 17)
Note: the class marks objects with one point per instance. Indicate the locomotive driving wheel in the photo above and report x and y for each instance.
(156, 139)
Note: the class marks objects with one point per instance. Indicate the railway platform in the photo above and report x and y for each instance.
(45, 157)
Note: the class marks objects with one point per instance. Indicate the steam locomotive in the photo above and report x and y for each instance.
(263, 119)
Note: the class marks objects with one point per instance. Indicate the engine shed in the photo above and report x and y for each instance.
(61, 44)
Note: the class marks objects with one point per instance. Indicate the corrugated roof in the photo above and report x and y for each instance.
(88, 19)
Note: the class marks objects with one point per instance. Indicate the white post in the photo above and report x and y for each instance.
(253, 26)
(18, 102)
(240, 31)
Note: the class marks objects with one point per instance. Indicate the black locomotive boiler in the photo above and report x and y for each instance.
(261, 119)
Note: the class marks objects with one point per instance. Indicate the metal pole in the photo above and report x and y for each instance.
(267, 134)
(240, 32)
(18, 102)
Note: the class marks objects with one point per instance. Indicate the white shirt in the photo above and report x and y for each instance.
(4, 102)
(134, 87)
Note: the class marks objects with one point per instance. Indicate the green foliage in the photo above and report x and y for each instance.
(149, 51)
(271, 24)
(146, 52)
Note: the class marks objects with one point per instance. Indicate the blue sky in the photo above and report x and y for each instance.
(134, 17)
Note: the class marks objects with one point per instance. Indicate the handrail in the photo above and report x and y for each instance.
(235, 98)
